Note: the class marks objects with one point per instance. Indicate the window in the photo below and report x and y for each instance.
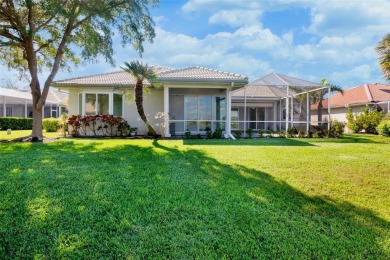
(204, 113)
(100, 104)
(118, 104)
(234, 118)
(8, 111)
(103, 101)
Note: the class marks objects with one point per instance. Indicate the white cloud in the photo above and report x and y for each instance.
(361, 73)
(235, 18)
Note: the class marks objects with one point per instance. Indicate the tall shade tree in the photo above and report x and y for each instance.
(44, 34)
(318, 96)
(383, 50)
(141, 72)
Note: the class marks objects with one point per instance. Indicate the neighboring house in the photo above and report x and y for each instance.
(18, 103)
(197, 99)
(374, 96)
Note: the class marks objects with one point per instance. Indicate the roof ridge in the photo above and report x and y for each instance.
(54, 93)
(368, 92)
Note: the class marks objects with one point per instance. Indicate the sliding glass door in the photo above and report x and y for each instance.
(204, 113)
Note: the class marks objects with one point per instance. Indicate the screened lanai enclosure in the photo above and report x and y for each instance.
(18, 103)
(197, 110)
(278, 102)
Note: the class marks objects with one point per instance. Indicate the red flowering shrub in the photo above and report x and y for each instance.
(100, 125)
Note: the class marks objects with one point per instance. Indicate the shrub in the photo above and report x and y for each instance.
(301, 134)
(351, 122)
(249, 132)
(291, 132)
(367, 120)
(310, 134)
(384, 128)
(261, 132)
(15, 123)
(237, 134)
(336, 129)
(51, 124)
(209, 134)
(187, 135)
(269, 133)
(217, 134)
(100, 125)
(319, 134)
(282, 134)
(386, 116)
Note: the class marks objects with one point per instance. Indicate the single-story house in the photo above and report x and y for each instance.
(374, 96)
(197, 99)
(18, 103)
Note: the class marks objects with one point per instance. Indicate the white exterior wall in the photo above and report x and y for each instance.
(153, 103)
(73, 101)
(337, 113)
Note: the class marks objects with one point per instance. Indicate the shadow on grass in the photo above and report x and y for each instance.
(252, 142)
(86, 200)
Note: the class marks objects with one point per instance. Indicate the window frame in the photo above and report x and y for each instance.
(82, 96)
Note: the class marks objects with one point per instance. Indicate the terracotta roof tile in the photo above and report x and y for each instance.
(363, 94)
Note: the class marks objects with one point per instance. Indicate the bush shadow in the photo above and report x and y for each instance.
(87, 200)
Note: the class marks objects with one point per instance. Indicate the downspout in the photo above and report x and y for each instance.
(287, 106)
(308, 119)
(228, 122)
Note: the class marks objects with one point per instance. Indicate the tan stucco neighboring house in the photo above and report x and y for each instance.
(195, 98)
(18, 103)
(375, 96)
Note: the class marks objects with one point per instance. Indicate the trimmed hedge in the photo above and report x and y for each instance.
(15, 123)
(51, 124)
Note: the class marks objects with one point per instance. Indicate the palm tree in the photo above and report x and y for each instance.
(318, 95)
(141, 72)
(383, 50)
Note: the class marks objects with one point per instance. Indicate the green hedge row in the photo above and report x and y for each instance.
(15, 123)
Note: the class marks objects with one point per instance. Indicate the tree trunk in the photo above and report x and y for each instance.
(140, 108)
(37, 129)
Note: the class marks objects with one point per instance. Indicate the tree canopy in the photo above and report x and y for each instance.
(55, 34)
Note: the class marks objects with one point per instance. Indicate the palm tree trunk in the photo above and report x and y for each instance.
(140, 107)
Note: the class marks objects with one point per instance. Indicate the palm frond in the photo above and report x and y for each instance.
(383, 50)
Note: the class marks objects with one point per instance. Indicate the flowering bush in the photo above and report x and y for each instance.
(99, 125)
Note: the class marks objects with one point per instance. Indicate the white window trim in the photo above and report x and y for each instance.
(110, 101)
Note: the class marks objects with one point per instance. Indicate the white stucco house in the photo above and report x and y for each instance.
(197, 99)
(18, 103)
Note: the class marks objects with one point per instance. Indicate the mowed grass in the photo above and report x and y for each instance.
(208, 199)
(4, 136)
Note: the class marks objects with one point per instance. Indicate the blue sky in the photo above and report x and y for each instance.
(302, 38)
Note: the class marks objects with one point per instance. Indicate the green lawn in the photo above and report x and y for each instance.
(22, 133)
(208, 199)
